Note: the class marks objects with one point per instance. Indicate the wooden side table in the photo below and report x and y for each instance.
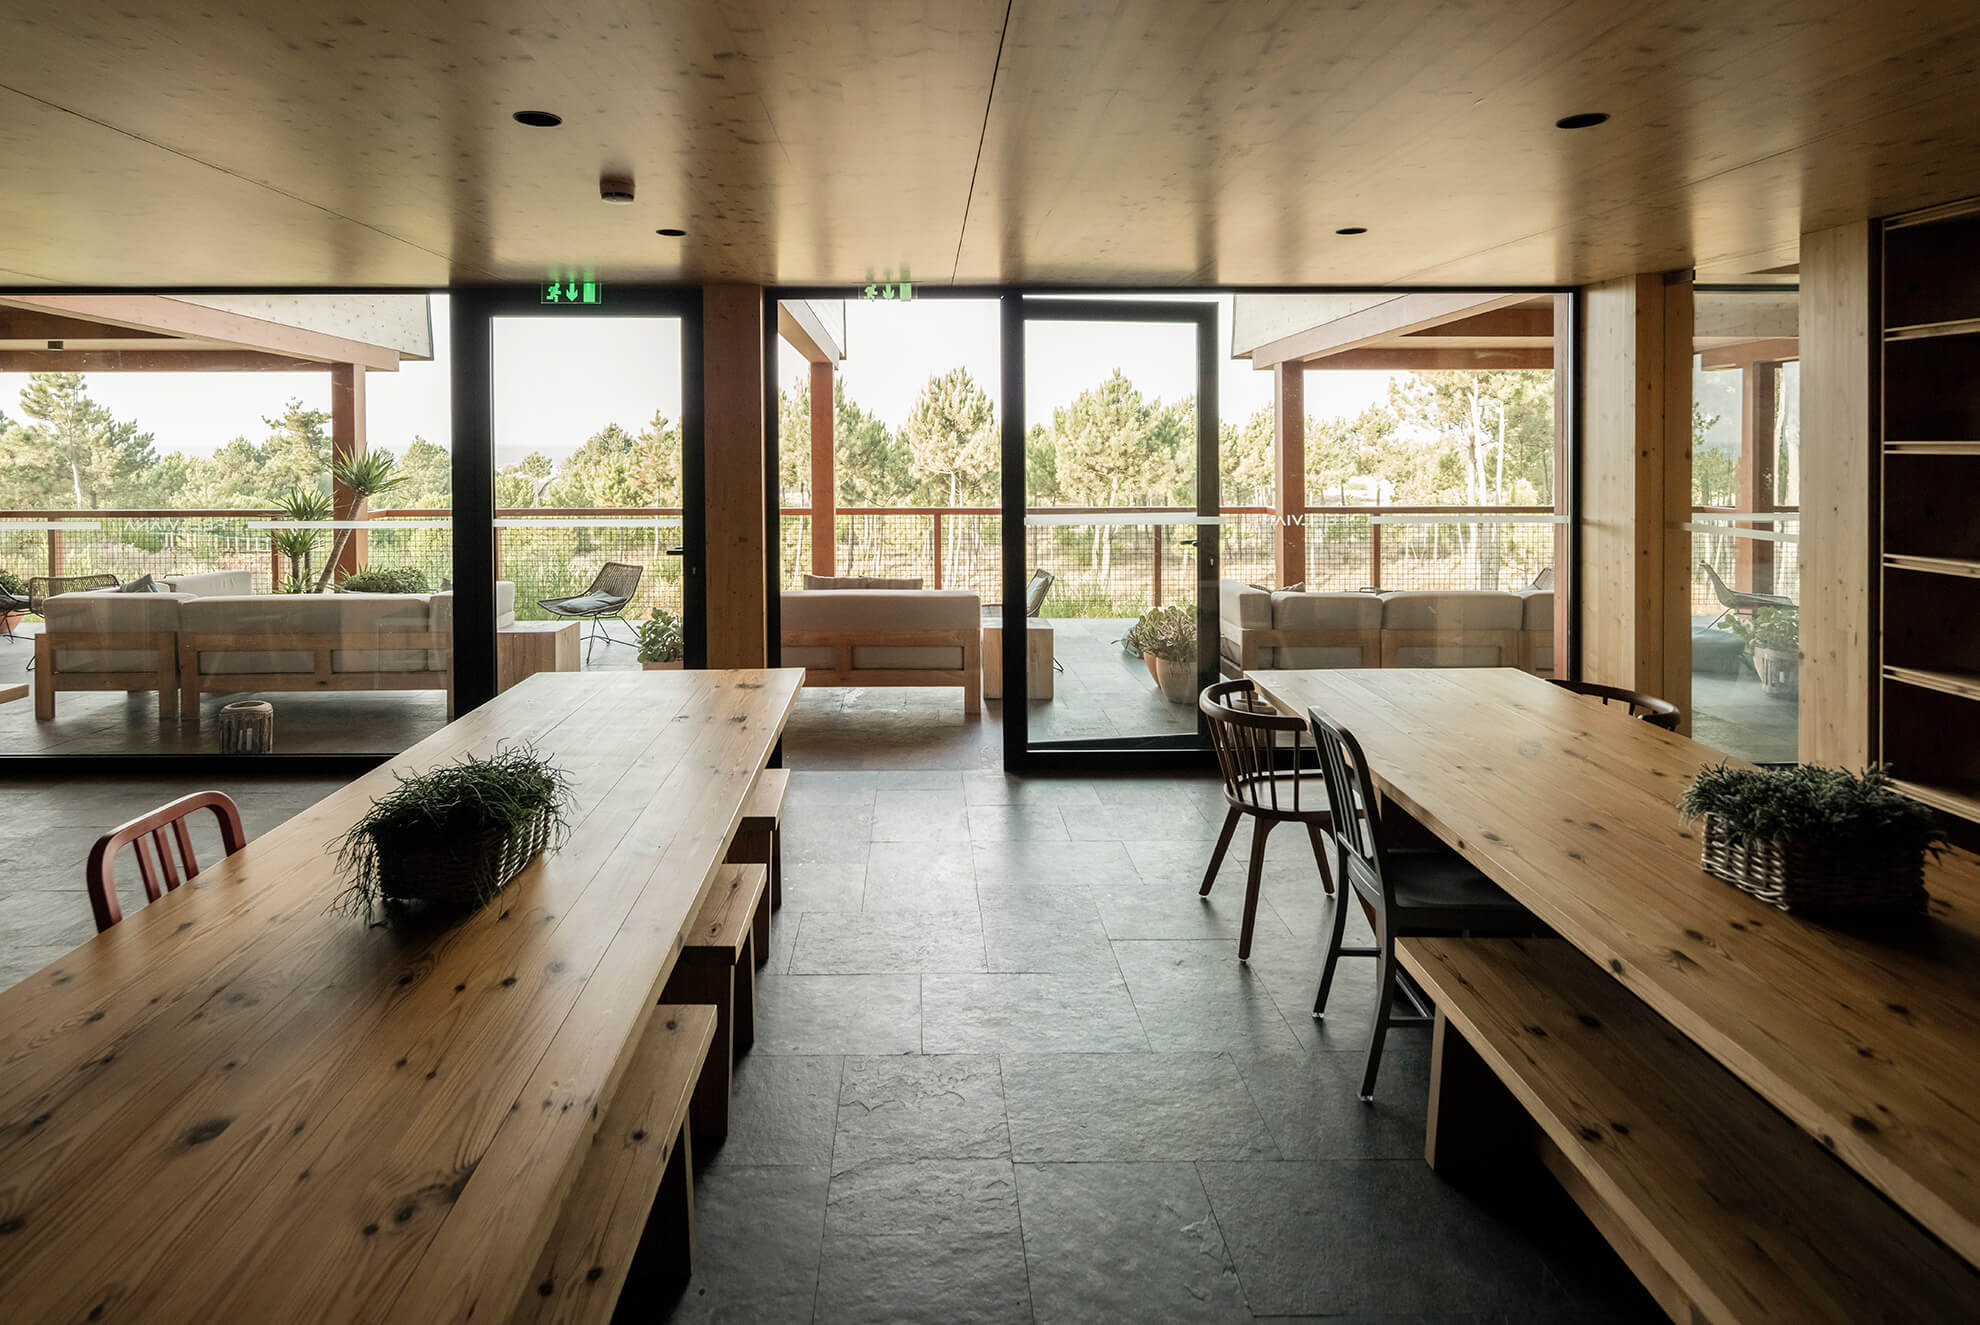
(529, 647)
(1037, 658)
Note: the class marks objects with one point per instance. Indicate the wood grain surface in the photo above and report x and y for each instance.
(236, 1105)
(1867, 1040)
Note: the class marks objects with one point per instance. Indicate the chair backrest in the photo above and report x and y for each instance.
(617, 579)
(1355, 825)
(1727, 598)
(1259, 773)
(1657, 712)
(161, 874)
(1035, 590)
(41, 588)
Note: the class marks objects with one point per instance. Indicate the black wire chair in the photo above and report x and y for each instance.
(610, 594)
(41, 588)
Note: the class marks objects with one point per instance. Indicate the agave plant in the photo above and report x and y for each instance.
(363, 477)
(298, 546)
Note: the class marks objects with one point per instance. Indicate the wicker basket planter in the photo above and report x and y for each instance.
(1805, 881)
(457, 869)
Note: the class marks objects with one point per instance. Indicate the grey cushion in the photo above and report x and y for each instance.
(859, 582)
(208, 583)
(142, 584)
(591, 602)
(1242, 607)
(1297, 610)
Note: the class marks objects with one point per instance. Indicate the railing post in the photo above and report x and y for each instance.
(274, 564)
(938, 549)
(497, 533)
(54, 550)
(1374, 554)
(1157, 531)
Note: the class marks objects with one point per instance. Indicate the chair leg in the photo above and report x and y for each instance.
(1320, 857)
(1385, 997)
(1223, 845)
(1261, 828)
(1341, 900)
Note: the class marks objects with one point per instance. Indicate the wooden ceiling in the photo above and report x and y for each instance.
(1138, 141)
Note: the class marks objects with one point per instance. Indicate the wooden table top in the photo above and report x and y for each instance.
(236, 1106)
(1870, 1042)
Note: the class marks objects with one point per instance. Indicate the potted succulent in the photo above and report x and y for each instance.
(13, 600)
(1773, 642)
(1814, 839)
(386, 579)
(660, 641)
(451, 838)
(1166, 640)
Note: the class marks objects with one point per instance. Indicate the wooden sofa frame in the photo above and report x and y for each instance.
(842, 642)
(163, 678)
(1506, 641)
(1369, 641)
(320, 677)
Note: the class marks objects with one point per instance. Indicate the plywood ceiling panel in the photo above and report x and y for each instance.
(1112, 141)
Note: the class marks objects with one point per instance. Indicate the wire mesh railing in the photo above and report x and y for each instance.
(1750, 553)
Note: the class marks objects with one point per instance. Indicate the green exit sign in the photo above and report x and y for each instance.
(901, 290)
(573, 292)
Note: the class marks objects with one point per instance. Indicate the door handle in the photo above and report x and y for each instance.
(677, 551)
(1187, 542)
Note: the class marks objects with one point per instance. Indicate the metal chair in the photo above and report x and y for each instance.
(1657, 712)
(1263, 781)
(1035, 590)
(103, 892)
(11, 606)
(611, 592)
(1737, 600)
(1408, 892)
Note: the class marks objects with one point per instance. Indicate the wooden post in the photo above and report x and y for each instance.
(496, 538)
(1374, 555)
(824, 479)
(1289, 474)
(733, 432)
(1753, 558)
(936, 531)
(276, 570)
(54, 552)
(1157, 531)
(347, 443)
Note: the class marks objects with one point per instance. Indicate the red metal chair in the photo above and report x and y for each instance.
(103, 892)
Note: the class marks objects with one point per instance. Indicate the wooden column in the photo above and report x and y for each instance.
(1753, 563)
(347, 442)
(824, 479)
(1564, 395)
(1636, 485)
(733, 432)
(1289, 474)
(1839, 471)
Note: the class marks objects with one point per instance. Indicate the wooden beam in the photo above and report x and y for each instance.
(732, 377)
(176, 317)
(347, 443)
(1520, 321)
(1289, 474)
(1753, 558)
(1426, 359)
(1394, 317)
(152, 361)
(804, 331)
(26, 324)
(824, 479)
(1565, 570)
(1839, 468)
(1785, 349)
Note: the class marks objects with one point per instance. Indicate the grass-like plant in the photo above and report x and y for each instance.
(11, 583)
(387, 579)
(1827, 809)
(660, 637)
(298, 546)
(363, 477)
(1775, 629)
(476, 806)
(1167, 632)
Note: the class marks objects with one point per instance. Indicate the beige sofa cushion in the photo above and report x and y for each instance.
(815, 582)
(352, 616)
(108, 611)
(1453, 611)
(1241, 608)
(1324, 611)
(212, 583)
(875, 610)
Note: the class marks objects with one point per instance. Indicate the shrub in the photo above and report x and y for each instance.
(1825, 808)
(660, 638)
(387, 579)
(1167, 632)
(12, 583)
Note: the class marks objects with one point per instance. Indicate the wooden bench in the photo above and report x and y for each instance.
(1724, 1209)
(628, 1224)
(717, 967)
(759, 841)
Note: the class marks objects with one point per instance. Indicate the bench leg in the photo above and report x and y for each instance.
(1474, 1120)
(776, 869)
(743, 993)
(711, 983)
(759, 925)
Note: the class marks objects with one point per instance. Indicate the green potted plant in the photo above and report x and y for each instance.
(363, 477)
(386, 579)
(1773, 642)
(660, 641)
(1814, 839)
(454, 836)
(297, 547)
(13, 600)
(1166, 640)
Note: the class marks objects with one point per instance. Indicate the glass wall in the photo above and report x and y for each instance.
(207, 500)
(1746, 524)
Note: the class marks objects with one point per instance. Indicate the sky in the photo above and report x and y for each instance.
(558, 381)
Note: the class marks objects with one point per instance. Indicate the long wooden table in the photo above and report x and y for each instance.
(237, 1106)
(1870, 1042)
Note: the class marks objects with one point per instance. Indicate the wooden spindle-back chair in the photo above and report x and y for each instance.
(157, 867)
(1657, 712)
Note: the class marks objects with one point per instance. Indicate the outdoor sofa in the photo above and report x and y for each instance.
(1259, 628)
(886, 637)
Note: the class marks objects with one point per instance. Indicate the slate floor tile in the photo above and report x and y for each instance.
(1197, 995)
(824, 886)
(1172, 821)
(781, 1111)
(1043, 928)
(947, 1106)
(1124, 1242)
(1009, 823)
(883, 942)
(914, 1279)
(932, 1197)
(1003, 789)
(920, 876)
(1039, 864)
(1309, 1101)
(758, 1233)
(839, 1014)
(1079, 1013)
(919, 816)
(1189, 1106)
(1148, 913)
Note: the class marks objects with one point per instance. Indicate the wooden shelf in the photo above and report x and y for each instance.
(1966, 326)
(1960, 798)
(1961, 566)
(1964, 684)
(1932, 448)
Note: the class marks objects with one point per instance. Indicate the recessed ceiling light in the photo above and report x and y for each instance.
(669, 232)
(1585, 120)
(538, 119)
(1352, 230)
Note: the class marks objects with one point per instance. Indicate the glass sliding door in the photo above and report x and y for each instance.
(1109, 623)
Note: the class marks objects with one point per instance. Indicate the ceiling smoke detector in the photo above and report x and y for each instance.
(616, 189)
